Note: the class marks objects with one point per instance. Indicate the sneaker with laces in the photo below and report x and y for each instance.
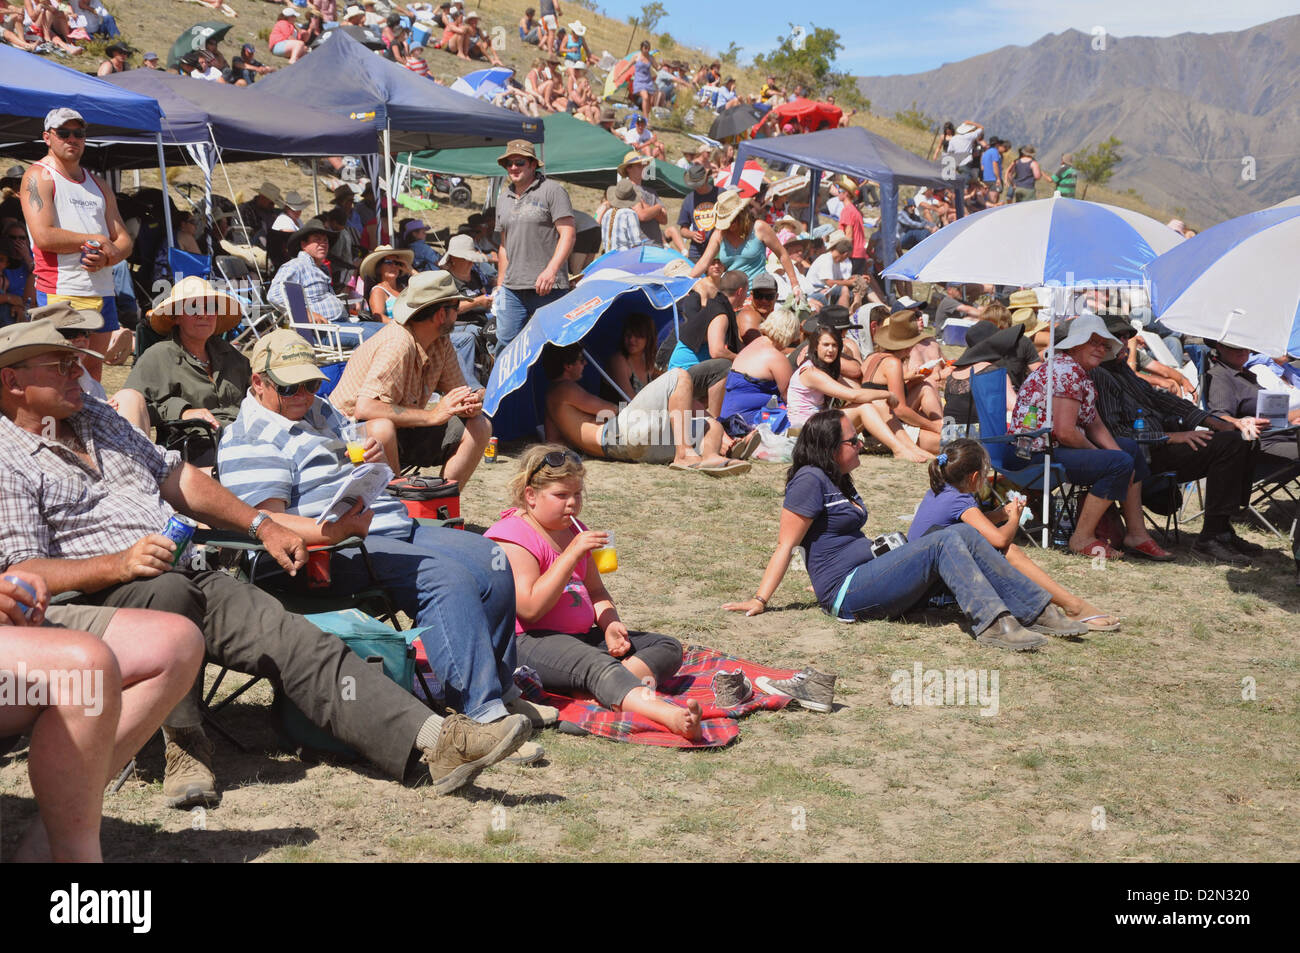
(812, 689)
(731, 688)
(465, 747)
(188, 781)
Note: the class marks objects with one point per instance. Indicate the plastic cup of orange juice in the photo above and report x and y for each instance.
(355, 435)
(606, 557)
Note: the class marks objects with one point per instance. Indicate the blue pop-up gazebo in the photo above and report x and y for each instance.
(33, 86)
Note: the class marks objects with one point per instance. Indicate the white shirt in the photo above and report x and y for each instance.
(826, 268)
(960, 146)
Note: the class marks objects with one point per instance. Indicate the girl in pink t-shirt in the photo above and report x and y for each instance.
(567, 627)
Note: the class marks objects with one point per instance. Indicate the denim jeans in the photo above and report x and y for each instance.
(445, 579)
(1108, 473)
(979, 577)
(464, 341)
(514, 308)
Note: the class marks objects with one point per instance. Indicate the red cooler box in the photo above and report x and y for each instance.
(430, 499)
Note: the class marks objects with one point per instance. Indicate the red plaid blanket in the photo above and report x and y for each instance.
(693, 680)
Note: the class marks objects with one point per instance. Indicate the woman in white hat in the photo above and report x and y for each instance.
(1113, 468)
(741, 241)
(919, 411)
(586, 105)
(385, 271)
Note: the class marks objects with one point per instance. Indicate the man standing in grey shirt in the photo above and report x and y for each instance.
(535, 219)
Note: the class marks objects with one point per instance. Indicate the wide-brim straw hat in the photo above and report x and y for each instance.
(195, 295)
(1081, 330)
(522, 148)
(577, 28)
(899, 331)
(370, 264)
(631, 159)
(729, 204)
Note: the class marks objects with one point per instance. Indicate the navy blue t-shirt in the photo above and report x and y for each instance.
(937, 512)
(835, 542)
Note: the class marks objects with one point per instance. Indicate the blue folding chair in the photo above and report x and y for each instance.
(989, 394)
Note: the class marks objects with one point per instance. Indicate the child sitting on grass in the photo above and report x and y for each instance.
(567, 627)
(960, 475)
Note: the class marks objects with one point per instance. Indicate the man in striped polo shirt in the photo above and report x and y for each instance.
(1066, 178)
(286, 455)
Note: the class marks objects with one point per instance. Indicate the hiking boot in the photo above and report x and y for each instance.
(1007, 633)
(1243, 546)
(539, 716)
(529, 752)
(1219, 550)
(188, 781)
(812, 689)
(731, 688)
(465, 748)
(1053, 621)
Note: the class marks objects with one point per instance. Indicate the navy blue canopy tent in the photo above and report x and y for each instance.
(855, 152)
(33, 86)
(345, 78)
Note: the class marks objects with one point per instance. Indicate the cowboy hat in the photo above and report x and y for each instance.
(986, 342)
(309, 227)
(577, 28)
(461, 246)
(1082, 329)
(286, 358)
(195, 295)
(729, 204)
(1024, 310)
(622, 195)
(695, 175)
(295, 201)
(898, 331)
(26, 339)
(270, 191)
(370, 264)
(633, 158)
(426, 289)
(521, 148)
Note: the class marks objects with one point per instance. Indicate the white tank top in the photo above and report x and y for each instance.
(78, 207)
(802, 401)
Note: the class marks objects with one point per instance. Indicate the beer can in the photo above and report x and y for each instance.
(27, 588)
(490, 451)
(180, 530)
(90, 244)
(318, 569)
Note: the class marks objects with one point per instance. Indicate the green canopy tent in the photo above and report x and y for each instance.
(574, 151)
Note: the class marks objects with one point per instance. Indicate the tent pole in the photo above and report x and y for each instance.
(167, 211)
(1058, 304)
(600, 370)
(315, 187)
(388, 178)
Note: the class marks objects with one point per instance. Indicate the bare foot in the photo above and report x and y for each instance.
(913, 454)
(687, 721)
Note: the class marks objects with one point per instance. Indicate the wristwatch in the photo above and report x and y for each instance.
(254, 526)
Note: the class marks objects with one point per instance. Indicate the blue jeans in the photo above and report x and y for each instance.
(979, 577)
(464, 341)
(445, 580)
(1108, 473)
(514, 308)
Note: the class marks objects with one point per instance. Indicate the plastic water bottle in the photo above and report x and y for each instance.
(1139, 424)
(769, 409)
(1062, 531)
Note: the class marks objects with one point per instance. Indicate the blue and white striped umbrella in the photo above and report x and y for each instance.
(484, 83)
(1236, 281)
(1057, 241)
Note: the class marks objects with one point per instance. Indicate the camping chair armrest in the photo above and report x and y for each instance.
(1009, 437)
(233, 539)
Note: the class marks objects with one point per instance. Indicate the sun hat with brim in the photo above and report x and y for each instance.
(309, 227)
(837, 237)
(1118, 324)
(195, 295)
(632, 158)
(987, 343)
(461, 246)
(695, 175)
(578, 28)
(271, 191)
(966, 127)
(27, 339)
(413, 226)
(288, 13)
(426, 289)
(622, 195)
(898, 331)
(295, 201)
(787, 222)
(286, 358)
(729, 204)
(1024, 311)
(67, 318)
(370, 264)
(1081, 330)
(520, 148)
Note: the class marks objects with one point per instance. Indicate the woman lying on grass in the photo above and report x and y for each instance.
(568, 629)
(959, 476)
(824, 513)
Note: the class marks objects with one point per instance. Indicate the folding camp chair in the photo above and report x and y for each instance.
(988, 392)
(333, 342)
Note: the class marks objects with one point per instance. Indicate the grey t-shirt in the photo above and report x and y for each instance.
(528, 225)
(651, 229)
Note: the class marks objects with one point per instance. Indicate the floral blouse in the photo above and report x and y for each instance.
(1069, 380)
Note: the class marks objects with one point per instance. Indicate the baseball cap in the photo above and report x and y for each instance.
(57, 117)
(763, 282)
(149, 57)
(286, 358)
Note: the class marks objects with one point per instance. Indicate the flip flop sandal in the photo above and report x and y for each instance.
(1091, 550)
(1090, 620)
(684, 466)
(1151, 550)
(744, 448)
(730, 468)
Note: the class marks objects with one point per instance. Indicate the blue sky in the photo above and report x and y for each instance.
(918, 35)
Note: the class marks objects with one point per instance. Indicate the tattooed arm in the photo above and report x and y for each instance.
(37, 198)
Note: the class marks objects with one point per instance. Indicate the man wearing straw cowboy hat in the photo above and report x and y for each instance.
(105, 541)
(535, 219)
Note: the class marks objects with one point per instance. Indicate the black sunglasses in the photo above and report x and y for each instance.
(290, 390)
(765, 295)
(64, 133)
(555, 459)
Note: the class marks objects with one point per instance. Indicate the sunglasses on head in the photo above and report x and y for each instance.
(555, 459)
(291, 390)
(65, 133)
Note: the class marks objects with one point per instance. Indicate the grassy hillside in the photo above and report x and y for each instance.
(154, 25)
